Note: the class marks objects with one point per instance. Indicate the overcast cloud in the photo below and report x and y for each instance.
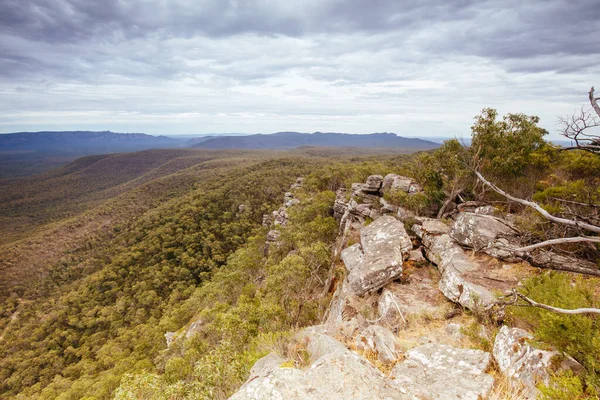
(417, 68)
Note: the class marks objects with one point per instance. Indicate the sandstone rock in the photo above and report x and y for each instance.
(343, 306)
(403, 213)
(373, 184)
(273, 235)
(380, 341)
(488, 210)
(336, 373)
(266, 365)
(397, 182)
(526, 365)
(349, 328)
(352, 256)
(384, 243)
(194, 328)
(374, 214)
(267, 220)
(387, 208)
(170, 338)
(340, 206)
(434, 226)
(280, 217)
(363, 209)
(480, 231)
(357, 188)
(418, 297)
(272, 238)
(416, 256)
(461, 278)
(437, 371)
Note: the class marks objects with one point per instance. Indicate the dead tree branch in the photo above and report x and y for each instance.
(580, 128)
(551, 242)
(594, 101)
(538, 208)
(557, 309)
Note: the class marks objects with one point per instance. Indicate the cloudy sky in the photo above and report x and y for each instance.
(417, 68)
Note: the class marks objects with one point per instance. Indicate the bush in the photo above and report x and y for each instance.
(575, 335)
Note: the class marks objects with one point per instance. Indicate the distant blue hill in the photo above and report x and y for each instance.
(83, 142)
(290, 140)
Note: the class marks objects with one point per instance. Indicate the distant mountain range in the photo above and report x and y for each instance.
(86, 142)
(83, 142)
(290, 140)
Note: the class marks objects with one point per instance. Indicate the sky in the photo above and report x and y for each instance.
(416, 68)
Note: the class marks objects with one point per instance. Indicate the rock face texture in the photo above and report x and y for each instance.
(335, 373)
(525, 364)
(480, 231)
(418, 297)
(393, 182)
(454, 266)
(384, 243)
(352, 256)
(380, 341)
(441, 372)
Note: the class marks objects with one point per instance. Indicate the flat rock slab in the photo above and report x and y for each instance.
(384, 243)
(442, 372)
(480, 231)
(419, 296)
(468, 279)
(337, 373)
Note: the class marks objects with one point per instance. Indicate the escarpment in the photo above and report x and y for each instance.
(404, 294)
(403, 270)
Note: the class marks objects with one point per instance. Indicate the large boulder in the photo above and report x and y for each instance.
(381, 341)
(480, 231)
(441, 372)
(384, 243)
(459, 274)
(393, 182)
(335, 373)
(526, 365)
(373, 184)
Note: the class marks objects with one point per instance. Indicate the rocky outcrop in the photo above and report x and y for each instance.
(454, 266)
(379, 340)
(384, 243)
(373, 184)
(481, 231)
(526, 365)
(335, 373)
(467, 279)
(279, 217)
(393, 182)
(441, 372)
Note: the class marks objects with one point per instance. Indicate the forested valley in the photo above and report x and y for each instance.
(100, 259)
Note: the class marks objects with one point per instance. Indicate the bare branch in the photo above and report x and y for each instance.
(556, 309)
(560, 241)
(594, 102)
(538, 208)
